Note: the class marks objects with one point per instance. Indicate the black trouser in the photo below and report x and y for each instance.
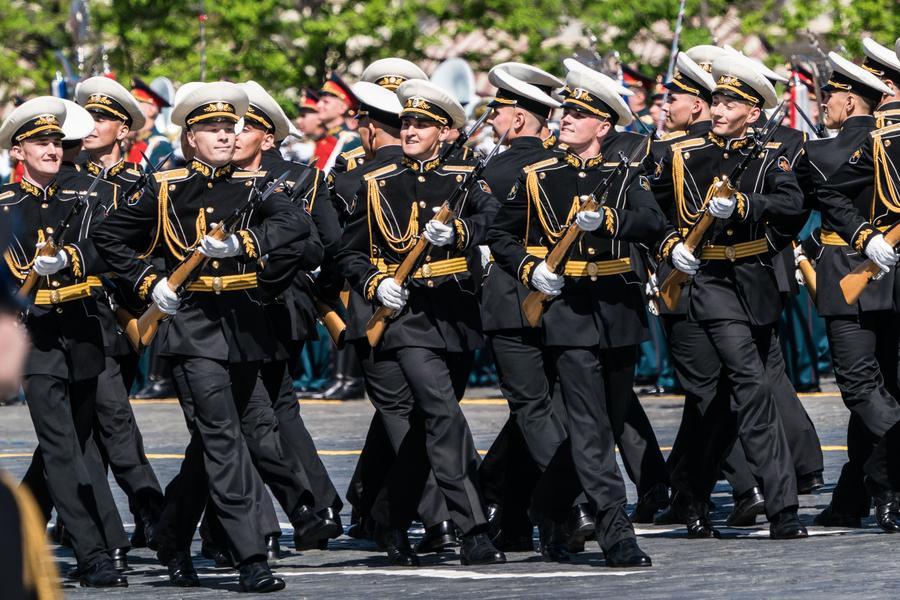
(743, 351)
(596, 387)
(438, 434)
(864, 354)
(63, 417)
(806, 449)
(392, 397)
(294, 435)
(217, 462)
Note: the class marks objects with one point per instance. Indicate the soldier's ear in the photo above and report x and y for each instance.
(124, 130)
(17, 153)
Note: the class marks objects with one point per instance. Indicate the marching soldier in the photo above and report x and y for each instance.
(216, 354)
(859, 201)
(591, 328)
(884, 64)
(851, 95)
(115, 113)
(732, 294)
(533, 432)
(428, 345)
(66, 353)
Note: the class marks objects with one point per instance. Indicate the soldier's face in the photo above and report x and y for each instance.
(420, 139)
(310, 123)
(41, 157)
(330, 108)
(502, 119)
(213, 143)
(107, 132)
(731, 117)
(835, 107)
(250, 142)
(679, 110)
(580, 130)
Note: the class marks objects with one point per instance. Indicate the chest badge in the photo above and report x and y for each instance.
(854, 158)
(784, 164)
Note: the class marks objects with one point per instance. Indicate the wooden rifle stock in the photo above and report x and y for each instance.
(128, 323)
(148, 322)
(378, 322)
(533, 305)
(670, 290)
(854, 283)
(332, 321)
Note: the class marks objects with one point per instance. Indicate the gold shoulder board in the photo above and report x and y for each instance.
(171, 174)
(379, 172)
(540, 165)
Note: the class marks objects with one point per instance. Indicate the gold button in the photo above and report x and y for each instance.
(729, 231)
(582, 174)
(209, 209)
(730, 253)
(5, 209)
(426, 270)
(381, 183)
(887, 143)
(172, 187)
(209, 184)
(59, 310)
(215, 264)
(49, 230)
(248, 183)
(542, 175)
(217, 285)
(422, 204)
(54, 297)
(428, 258)
(54, 283)
(592, 251)
(421, 178)
(44, 205)
(429, 283)
(592, 269)
(687, 155)
(458, 178)
(725, 155)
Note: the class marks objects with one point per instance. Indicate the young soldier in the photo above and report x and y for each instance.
(428, 346)
(66, 353)
(216, 334)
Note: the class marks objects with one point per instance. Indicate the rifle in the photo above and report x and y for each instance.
(186, 271)
(378, 322)
(854, 283)
(464, 136)
(51, 246)
(670, 290)
(533, 305)
(140, 183)
(809, 275)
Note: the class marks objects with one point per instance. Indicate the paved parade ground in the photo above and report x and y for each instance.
(743, 564)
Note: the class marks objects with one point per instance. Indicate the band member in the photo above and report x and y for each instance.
(733, 294)
(591, 327)
(428, 345)
(216, 333)
(66, 353)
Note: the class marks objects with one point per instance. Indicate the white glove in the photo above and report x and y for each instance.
(164, 297)
(588, 220)
(48, 265)
(230, 246)
(798, 275)
(437, 233)
(721, 208)
(392, 294)
(485, 253)
(799, 255)
(652, 287)
(545, 281)
(683, 260)
(881, 253)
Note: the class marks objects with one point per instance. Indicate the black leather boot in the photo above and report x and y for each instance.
(477, 549)
(396, 543)
(438, 538)
(746, 507)
(256, 577)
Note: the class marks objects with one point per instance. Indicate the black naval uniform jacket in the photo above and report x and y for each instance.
(63, 322)
(344, 188)
(602, 302)
(221, 315)
(833, 257)
(123, 174)
(286, 281)
(861, 198)
(887, 114)
(793, 144)
(736, 280)
(654, 161)
(73, 179)
(393, 205)
(500, 291)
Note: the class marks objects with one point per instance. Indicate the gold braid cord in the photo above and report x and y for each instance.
(534, 197)
(399, 244)
(18, 270)
(885, 190)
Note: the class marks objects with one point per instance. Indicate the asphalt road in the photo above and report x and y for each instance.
(744, 564)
